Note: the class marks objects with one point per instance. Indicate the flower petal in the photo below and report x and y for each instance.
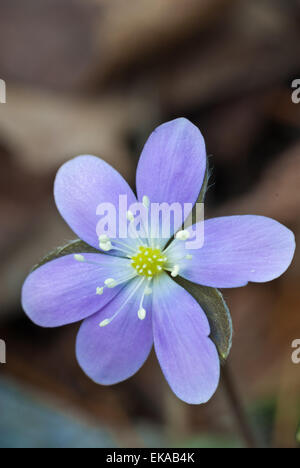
(113, 353)
(187, 356)
(172, 165)
(81, 185)
(237, 249)
(64, 290)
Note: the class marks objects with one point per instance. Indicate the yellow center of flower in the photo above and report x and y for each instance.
(148, 261)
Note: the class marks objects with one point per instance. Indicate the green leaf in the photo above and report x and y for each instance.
(217, 312)
(72, 247)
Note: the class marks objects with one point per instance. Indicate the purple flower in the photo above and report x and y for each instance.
(129, 289)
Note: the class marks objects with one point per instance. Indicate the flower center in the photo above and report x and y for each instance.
(148, 261)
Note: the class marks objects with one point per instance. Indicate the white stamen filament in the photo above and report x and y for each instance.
(106, 244)
(123, 244)
(146, 203)
(82, 259)
(130, 217)
(112, 283)
(108, 320)
(142, 312)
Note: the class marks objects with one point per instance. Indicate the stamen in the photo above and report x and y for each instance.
(146, 201)
(175, 271)
(106, 246)
(182, 235)
(99, 291)
(130, 216)
(123, 244)
(141, 313)
(110, 283)
(104, 238)
(79, 258)
(107, 321)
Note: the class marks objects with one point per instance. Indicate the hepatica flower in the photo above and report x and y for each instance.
(126, 291)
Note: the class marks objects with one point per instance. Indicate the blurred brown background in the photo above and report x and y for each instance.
(96, 76)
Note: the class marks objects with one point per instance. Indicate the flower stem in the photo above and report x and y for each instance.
(238, 411)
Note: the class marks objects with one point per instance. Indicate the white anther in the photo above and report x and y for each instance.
(189, 257)
(130, 216)
(182, 235)
(148, 291)
(104, 323)
(79, 258)
(104, 238)
(99, 291)
(141, 313)
(110, 282)
(146, 201)
(159, 268)
(175, 271)
(149, 272)
(106, 246)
